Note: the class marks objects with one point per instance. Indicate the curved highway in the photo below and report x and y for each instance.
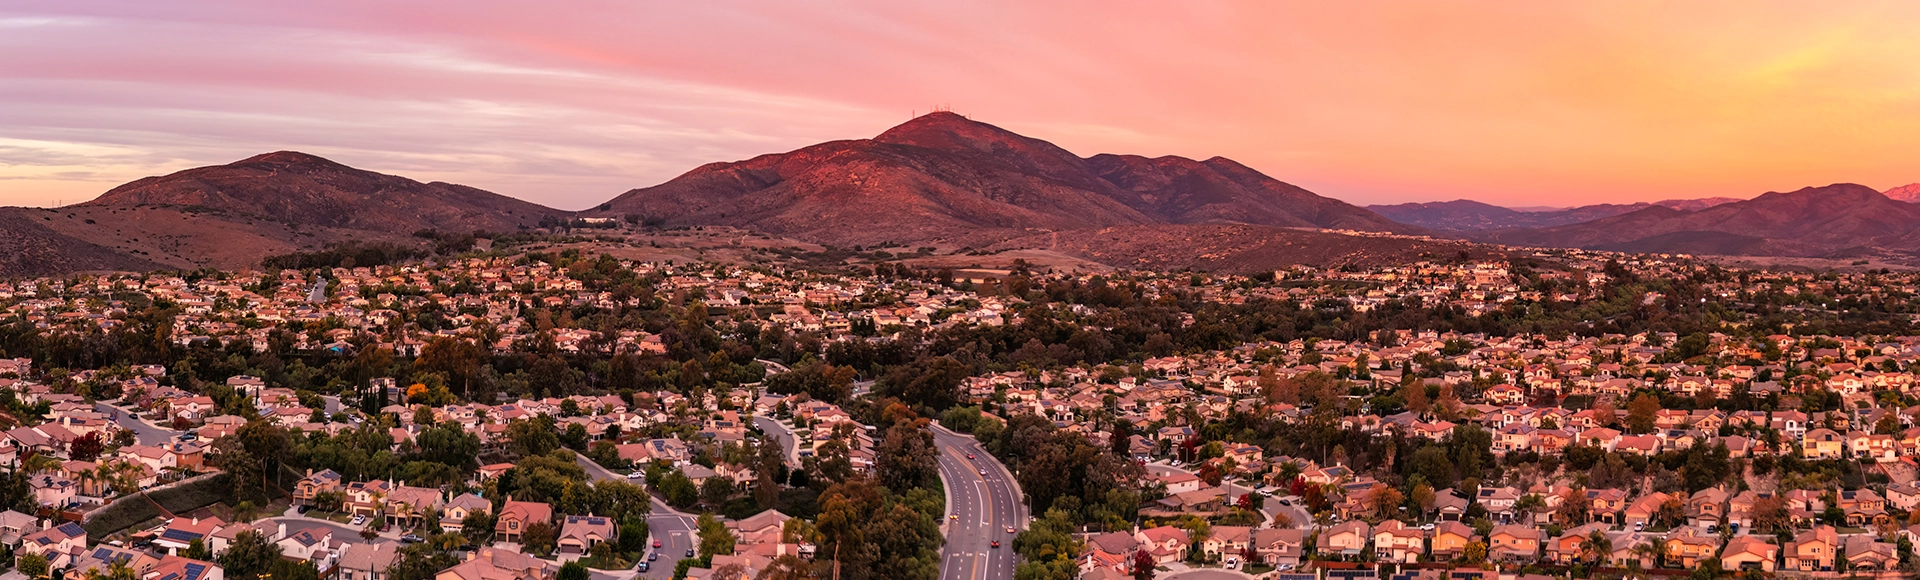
(983, 503)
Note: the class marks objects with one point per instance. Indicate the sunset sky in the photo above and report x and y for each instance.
(570, 103)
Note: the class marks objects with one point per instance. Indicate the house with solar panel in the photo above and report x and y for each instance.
(103, 557)
(53, 490)
(364, 497)
(313, 543)
(178, 568)
(579, 534)
(314, 484)
(183, 531)
(61, 545)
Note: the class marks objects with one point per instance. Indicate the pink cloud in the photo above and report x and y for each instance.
(570, 103)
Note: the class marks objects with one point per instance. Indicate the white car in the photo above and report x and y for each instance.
(359, 520)
(637, 475)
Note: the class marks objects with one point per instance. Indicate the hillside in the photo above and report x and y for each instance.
(28, 247)
(944, 178)
(1468, 216)
(1239, 248)
(308, 190)
(1839, 219)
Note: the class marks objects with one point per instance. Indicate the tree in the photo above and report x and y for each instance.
(1597, 547)
(1424, 496)
(1475, 552)
(1415, 392)
(478, 527)
(633, 533)
(716, 490)
(906, 458)
(418, 562)
(679, 491)
(1143, 564)
(536, 436)
(32, 565)
(250, 556)
(1641, 413)
(197, 549)
(1384, 500)
(573, 571)
(715, 538)
(538, 538)
(86, 447)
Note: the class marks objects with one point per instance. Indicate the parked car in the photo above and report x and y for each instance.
(637, 475)
(656, 543)
(651, 556)
(644, 567)
(410, 539)
(359, 520)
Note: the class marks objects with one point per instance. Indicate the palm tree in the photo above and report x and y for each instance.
(1643, 552)
(1597, 547)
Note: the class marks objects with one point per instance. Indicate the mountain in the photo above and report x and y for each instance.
(1908, 193)
(944, 178)
(230, 216)
(1836, 220)
(1467, 215)
(304, 189)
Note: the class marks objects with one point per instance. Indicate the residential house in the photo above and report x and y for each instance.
(579, 534)
(1345, 539)
(1813, 550)
(1514, 543)
(515, 516)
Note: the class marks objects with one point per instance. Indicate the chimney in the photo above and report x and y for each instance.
(196, 520)
(283, 531)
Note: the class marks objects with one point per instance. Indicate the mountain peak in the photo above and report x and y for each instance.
(1908, 193)
(952, 132)
(1837, 192)
(287, 158)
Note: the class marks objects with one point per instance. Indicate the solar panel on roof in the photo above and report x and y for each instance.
(72, 529)
(195, 570)
(181, 535)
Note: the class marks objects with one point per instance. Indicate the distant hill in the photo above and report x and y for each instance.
(1836, 220)
(1471, 216)
(230, 216)
(943, 177)
(303, 189)
(1908, 193)
(1241, 248)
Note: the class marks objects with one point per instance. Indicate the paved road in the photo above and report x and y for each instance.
(146, 433)
(674, 530)
(982, 495)
(333, 404)
(783, 435)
